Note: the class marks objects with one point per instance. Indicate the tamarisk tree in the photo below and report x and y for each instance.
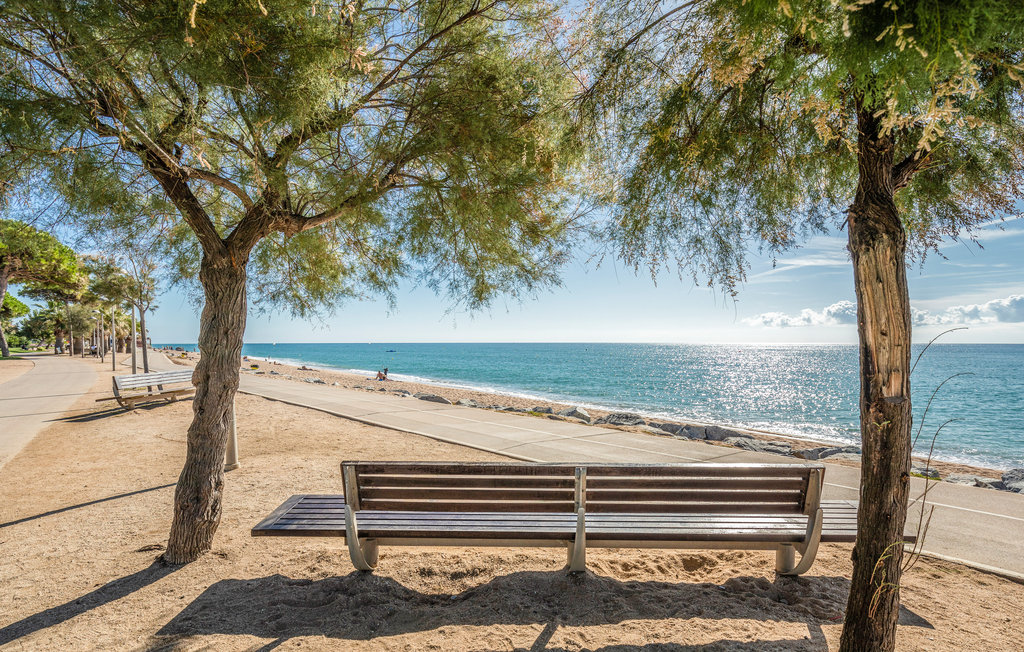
(37, 259)
(725, 123)
(312, 150)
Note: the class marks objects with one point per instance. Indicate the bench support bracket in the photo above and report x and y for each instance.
(363, 552)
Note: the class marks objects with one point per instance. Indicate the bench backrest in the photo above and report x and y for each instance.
(703, 488)
(629, 488)
(459, 487)
(134, 381)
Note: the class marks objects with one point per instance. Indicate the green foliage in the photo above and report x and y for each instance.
(337, 146)
(724, 125)
(11, 309)
(37, 259)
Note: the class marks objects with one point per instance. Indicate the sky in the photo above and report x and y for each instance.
(807, 296)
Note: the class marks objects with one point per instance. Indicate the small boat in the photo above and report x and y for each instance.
(391, 351)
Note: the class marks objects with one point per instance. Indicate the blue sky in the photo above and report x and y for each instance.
(807, 297)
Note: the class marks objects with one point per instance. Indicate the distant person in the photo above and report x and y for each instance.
(385, 373)
(381, 376)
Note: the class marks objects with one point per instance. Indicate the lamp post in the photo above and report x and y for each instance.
(113, 341)
(135, 365)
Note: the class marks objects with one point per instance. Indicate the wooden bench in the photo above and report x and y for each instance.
(745, 506)
(151, 387)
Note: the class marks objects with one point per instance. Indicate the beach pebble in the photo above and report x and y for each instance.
(467, 402)
(576, 413)
(920, 469)
(622, 419)
(433, 398)
(1013, 480)
(540, 409)
(821, 452)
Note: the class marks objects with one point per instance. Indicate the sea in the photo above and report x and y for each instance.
(968, 398)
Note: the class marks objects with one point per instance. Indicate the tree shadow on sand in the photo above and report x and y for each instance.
(365, 607)
(109, 592)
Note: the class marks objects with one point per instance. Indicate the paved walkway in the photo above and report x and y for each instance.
(982, 527)
(31, 401)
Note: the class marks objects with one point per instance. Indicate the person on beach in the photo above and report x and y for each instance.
(381, 376)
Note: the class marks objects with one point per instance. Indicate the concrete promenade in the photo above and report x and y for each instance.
(29, 402)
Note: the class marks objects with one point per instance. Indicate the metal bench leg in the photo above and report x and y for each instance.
(785, 556)
(785, 559)
(578, 547)
(362, 552)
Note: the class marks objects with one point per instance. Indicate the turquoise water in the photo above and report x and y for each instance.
(806, 391)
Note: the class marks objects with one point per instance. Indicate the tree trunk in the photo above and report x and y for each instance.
(878, 248)
(4, 351)
(197, 499)
(145, 342)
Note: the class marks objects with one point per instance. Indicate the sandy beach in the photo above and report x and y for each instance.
(292, 373)
(85, 510)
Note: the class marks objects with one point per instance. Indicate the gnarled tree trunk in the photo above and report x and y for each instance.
(878, 247)
(197, 498)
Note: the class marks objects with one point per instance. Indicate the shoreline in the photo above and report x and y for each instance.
(523, 404)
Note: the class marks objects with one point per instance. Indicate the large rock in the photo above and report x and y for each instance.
(622, 419)
(673, 428)
(1013, 480)
(822, 452)
(433, 398)
(692, 432)
(576, 413)
(922, 470)
(759, 446)
(467, 402)
(315, 381)
(541, 409)
(402, 392)
(718, 433)
(975, 481)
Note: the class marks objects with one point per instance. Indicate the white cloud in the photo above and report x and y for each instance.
(1007, 310)
(841, 312)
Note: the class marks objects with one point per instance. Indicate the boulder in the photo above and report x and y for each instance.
(851, 457)
(467, 402)
(314, 381)
(540, 409)
(692, 432)
(556, 417)
(922, 470)
(673, 428)
(576, 413)
(433, 398)
(759, 446)
(334, 384)
(402, 392)
(718, 433)
(651, 431)
(975, 481)
(622, 419)
(821, 452)
(1013, 480)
